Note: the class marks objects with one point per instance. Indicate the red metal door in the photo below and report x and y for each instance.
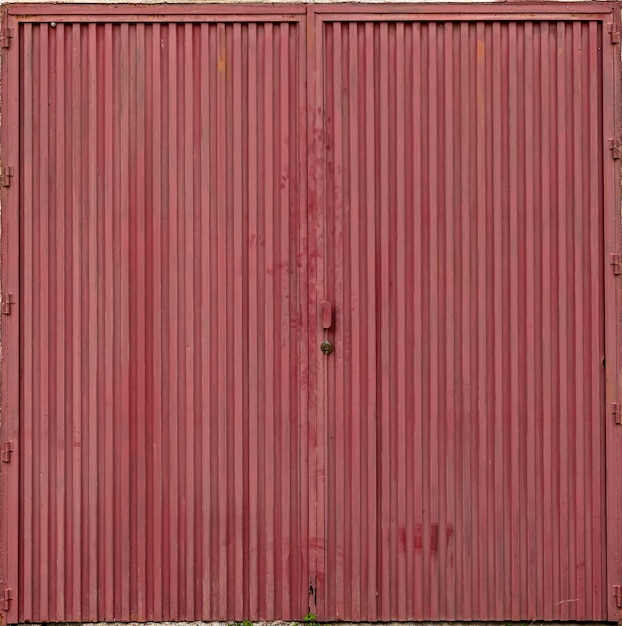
(463, 169)
(170, 448)
(162, 413)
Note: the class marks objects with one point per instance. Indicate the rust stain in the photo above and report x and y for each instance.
(222, 50)
(222, 63)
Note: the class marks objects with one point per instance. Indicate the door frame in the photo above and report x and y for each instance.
(9, 322)
(613, 320)
(314, 428)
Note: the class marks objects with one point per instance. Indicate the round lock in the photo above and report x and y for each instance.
(326, 347)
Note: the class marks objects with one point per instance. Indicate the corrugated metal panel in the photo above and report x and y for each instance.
(162, 398)
(179, 456)
(464, 466)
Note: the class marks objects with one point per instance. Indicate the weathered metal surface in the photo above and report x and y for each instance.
(463, 467)
(161, 411)
(185, 449)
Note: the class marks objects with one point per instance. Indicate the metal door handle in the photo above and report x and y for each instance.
(327, 321)
(327, 346)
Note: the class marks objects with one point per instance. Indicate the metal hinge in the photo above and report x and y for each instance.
(6, 172)
(7, 596)
(617, 594)
(7, 449)
(7, 300)
(614, 32)
(6, 34)
(616, 263)
(615, 145)
(614, 409)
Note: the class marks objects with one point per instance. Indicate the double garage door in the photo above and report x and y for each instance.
(196, 198)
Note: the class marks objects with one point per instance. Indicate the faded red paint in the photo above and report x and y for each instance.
(206, 193)
(466, 184)
(161, 448)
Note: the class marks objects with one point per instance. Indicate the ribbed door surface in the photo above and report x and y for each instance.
(193, 200)
(463, 234)
(162, 449)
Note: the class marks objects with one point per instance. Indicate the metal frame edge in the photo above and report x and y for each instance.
(314, 294)
(9, 155)
(613, 316)
(9, 472)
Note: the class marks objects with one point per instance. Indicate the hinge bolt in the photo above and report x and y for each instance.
(6, 172)
(7, 596)
(7, 300)
(7, 449)
(5, 38)
(616, 148)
